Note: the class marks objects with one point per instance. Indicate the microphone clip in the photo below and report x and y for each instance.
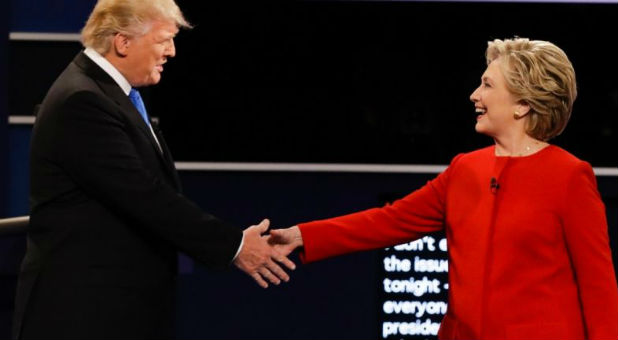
(493, 185)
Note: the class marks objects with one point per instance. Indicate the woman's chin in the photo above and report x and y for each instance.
(479, 128)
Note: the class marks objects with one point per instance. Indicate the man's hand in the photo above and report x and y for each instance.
(286, 240)
(257, 258)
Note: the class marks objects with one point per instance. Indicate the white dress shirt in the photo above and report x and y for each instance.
(118, 78)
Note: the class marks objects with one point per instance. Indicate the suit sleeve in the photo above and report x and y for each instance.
(96, 151)
(585, 227)
(419, 213)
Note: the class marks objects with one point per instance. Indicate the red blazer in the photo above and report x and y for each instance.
(528, 260)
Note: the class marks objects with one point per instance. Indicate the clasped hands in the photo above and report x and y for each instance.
(263, 254)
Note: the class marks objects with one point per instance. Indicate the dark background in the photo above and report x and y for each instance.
(312, 81)
(366, 82)
(349, 82)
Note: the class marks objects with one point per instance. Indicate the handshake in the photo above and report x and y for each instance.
(261, 256)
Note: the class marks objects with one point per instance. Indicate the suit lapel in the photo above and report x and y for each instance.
(167, 155)
(109, 86)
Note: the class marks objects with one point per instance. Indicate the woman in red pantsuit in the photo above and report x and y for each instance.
(529, 254)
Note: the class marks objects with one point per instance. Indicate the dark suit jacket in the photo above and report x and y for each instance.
(106, 218)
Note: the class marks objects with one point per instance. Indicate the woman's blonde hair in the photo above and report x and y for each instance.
(130, 17)
(541, 75)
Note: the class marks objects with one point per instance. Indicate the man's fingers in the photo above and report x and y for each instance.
(267, 274)
(263, 226)
(275, 269)
(258, 278)
(285, 261)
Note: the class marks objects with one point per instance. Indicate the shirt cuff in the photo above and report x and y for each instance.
(242, 241)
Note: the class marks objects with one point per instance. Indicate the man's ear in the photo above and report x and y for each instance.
(121, 44)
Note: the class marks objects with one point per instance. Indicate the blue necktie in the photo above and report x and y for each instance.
(136, 99)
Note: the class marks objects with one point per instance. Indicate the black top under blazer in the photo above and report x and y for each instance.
(106, 220)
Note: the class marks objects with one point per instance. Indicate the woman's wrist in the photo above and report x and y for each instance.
(297, 236)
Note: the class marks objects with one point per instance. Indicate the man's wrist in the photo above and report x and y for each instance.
(242, 242)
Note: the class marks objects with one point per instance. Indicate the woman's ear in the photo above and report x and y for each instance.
(521, 110)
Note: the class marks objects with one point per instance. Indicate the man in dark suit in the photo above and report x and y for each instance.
(107, 218)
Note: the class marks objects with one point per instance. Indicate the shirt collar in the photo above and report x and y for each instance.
(109, 69)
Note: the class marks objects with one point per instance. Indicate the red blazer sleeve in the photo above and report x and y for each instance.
(407, 219)
(585, 228)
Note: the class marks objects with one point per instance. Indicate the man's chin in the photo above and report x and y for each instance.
(154, 80)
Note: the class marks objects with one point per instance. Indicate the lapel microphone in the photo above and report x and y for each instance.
(493, 185)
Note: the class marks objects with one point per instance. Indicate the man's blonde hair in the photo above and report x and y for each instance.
(541, 75)
(130, 17)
